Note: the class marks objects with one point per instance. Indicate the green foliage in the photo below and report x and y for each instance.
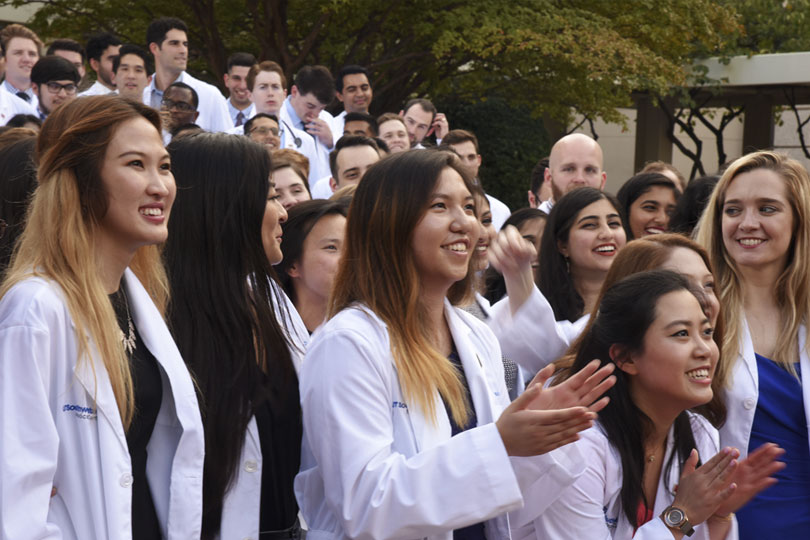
(548, 56)
(770, 26)
(510, 141)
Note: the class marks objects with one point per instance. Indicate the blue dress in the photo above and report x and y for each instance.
(781, 512)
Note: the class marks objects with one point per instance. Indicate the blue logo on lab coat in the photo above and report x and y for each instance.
(85, 413)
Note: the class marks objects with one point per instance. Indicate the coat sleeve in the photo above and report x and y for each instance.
(532, 337)
(374, 491)
(29, 442)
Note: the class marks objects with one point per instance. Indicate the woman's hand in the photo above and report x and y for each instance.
(512, 255)
(580, 390)
(527, 432)
(701, 492)
(751, 476)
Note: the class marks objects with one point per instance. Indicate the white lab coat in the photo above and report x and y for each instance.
(11, 105)
(213, 109)
(317, 152)
(742, 393)
(532, 337)
(55, 434)
(592, 507)
(374, 467)
(241, 508)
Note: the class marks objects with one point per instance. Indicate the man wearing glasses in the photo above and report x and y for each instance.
(54, 81)
(263, 128)
(178, 107)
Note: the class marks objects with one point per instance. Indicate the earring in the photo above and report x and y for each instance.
(567, 265)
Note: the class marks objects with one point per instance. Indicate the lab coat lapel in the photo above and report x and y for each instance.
(747, 353)
(804, 362)
(93, 376)
(474, 369)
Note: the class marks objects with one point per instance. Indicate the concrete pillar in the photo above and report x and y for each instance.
(758, 125)
(652, 134)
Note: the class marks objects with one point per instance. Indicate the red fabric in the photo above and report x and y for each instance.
(643, 515)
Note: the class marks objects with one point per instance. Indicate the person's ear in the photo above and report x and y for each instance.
(293, 271)
(333, 184)
(562, 247)
(196, 115)
(622, 358)
(35, 89)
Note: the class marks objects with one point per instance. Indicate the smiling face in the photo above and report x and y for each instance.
(236, 83)
(137, 177)
(650, 212)
(757, 220)
(265, 131)
(594, 239)
(356, 95)
(487, 232)
(575, 161)
(688, 263)
(290, 187)
(673, 371)
(21, 55)
(274, 216)
(469, 156)
(444, 238)
(395, 136)
(268, 93)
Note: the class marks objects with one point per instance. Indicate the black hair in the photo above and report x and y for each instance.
(382, 145)
(156, 33)
(538, 176)
(361, 117)
(53, 68)
(553, 278)
(129, 48)
(690, 205)
(67, 44)
(249, 124)
(98, 43)
(19, 120)
(625, 313)
(19, 179)
(637, 186)
(195, 99)
(316, 80)
(222, 311)
(185, 127)
(345, 142)
(242, 59)
(425, 104)
(301, 218)
(493, 280)
(351, 69)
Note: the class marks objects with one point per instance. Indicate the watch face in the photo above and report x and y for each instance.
(674, 517)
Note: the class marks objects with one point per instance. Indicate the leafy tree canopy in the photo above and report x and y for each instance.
(545, 56)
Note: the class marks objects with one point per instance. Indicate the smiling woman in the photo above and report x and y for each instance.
(408, 430)
(81, 329)
(647, 201)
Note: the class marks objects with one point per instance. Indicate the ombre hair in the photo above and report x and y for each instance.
(58, 242)
(377, 269)
(792, 287)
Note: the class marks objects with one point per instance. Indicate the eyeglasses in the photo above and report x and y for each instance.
(55, 88)
(264, 130)
(181, 106)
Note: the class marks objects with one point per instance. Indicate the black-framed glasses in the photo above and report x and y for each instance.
(55, 88)
(264, 130)
(181, 106)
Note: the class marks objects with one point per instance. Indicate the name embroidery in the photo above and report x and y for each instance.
(85, 413)
(399, 405)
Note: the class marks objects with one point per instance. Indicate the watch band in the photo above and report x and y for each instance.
(676, 518)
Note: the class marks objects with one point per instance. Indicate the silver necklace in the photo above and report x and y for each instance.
(128, 339)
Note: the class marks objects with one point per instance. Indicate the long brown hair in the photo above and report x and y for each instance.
(377, 269)
(651, 253)
(58, 240)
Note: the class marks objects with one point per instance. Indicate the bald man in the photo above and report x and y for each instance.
(575, 161)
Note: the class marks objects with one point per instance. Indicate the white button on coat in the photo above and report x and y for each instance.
(126, 480)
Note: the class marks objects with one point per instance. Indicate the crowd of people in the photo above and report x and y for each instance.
(249, 318)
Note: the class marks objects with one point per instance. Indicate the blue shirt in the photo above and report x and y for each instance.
(781, 512)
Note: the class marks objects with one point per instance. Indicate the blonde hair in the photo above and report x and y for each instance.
(792, 287)
(387, 206)
(58, 242)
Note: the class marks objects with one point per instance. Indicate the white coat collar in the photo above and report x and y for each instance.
(427, 433)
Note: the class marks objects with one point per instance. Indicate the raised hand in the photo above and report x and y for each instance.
(701, 492)
(583, 389)
(512, 255)
(753, 475)
(527, 432)
(320, 129)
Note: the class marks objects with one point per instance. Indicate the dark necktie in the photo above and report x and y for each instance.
(240, 118)
(23, 95)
